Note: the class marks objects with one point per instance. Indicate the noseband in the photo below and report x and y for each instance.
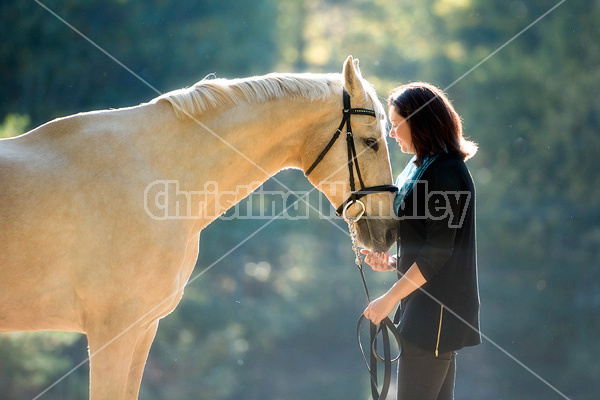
(355, 195)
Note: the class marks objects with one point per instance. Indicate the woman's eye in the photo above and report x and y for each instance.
(372, 143)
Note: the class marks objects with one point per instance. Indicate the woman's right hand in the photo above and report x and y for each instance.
(379, 261)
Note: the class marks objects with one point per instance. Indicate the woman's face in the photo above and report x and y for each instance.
(401, 131)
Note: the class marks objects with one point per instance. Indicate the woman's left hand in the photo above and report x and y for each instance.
(379, 308)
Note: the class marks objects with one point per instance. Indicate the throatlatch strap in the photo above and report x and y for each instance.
(327, 148)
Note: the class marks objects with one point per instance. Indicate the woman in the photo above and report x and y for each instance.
(437, 288)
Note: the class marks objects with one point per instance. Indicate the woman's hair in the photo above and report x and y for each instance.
(435, 126)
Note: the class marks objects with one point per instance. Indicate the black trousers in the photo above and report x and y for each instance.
(423, 376)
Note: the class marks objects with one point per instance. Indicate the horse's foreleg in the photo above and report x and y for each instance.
(111, 355)
(138, 362)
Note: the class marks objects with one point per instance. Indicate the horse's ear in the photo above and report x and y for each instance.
(356, 68)
(353, 79)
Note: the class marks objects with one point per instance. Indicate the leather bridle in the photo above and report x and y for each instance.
(355, 195)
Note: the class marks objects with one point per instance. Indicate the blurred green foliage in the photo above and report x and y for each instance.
(275, 318)
(14, 125)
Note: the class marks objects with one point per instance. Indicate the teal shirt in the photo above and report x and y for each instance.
(407, 178)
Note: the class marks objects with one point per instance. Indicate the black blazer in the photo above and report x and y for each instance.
(437, 231)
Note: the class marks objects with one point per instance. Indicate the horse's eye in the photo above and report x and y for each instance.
(372, 143)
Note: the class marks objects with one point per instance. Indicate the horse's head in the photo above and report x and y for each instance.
(353, 170)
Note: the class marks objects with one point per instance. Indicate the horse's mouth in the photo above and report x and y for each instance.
(377, 234)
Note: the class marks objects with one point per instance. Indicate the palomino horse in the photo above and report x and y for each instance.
(80, 250)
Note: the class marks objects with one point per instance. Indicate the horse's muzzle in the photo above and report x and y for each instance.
(377, 234)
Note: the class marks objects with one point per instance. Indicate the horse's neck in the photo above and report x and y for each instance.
(233, 151)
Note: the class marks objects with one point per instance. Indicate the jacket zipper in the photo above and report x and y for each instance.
(439, 331)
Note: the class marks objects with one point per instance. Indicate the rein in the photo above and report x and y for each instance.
(385, 327)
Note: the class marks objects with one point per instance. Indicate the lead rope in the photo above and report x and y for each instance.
(384, 328)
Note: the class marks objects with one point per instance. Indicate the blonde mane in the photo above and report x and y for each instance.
(208, 94)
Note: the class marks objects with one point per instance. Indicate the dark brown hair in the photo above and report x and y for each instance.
(435, 126)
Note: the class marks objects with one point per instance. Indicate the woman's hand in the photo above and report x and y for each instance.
(379, 261)
(380, 308)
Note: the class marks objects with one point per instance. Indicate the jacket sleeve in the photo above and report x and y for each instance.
(443, 210)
